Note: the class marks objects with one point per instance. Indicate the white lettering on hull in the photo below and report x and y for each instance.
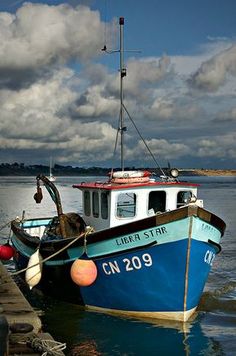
(209, 257)
(132, 264)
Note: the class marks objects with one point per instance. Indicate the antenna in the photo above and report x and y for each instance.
(122, 71)
(105, 25)
(121, 127)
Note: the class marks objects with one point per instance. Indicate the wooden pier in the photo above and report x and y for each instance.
(19, 322)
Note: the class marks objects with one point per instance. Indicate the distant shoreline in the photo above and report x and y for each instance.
(17, 169)
(209, 172)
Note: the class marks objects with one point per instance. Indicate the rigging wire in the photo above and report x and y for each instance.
(116, 142)
(139, 133)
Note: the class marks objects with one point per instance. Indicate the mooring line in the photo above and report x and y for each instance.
(85, 234)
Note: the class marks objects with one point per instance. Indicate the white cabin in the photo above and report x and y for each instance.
(110, 204)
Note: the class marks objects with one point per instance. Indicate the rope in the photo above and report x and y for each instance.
(47, 346)
(8, 224)
(50, 347)
(5, 225)
(85, 245)
(88, 231)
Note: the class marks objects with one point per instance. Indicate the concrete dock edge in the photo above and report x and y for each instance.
(16, 310)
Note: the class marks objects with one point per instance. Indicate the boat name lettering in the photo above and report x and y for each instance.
(127, 239)
(138, 237)
(155, 232)
(209, 257)
(130, 264)
(208, 228)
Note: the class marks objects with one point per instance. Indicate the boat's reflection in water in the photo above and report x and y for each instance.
(92, 333)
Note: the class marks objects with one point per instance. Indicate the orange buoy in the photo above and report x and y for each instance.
(83, 272)
(6, 252)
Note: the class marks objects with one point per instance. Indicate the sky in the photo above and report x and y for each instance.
(59, 93)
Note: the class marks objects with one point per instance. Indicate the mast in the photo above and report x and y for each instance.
(122, 128)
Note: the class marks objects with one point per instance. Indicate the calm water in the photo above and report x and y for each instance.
(212, 332)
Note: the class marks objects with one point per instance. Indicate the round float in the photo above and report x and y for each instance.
(6, 252)
(83, 272)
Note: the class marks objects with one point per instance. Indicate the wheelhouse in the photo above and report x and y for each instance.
(107, 204)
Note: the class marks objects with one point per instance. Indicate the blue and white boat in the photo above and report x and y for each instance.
(154, 250)
(143, 248)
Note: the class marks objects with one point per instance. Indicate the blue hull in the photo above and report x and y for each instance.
(154, 270)
(159, 279)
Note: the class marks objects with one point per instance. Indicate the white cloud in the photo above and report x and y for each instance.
(89, 142)
(219, 147)
(47, 105)
(32, 112)
(213, 73)
(160, 148)
(144, 73)
(226, 116)
(95, 103)
(173, 108)
(39, 35)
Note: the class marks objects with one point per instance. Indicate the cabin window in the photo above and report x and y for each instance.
(183, 197)
(104, 205)
(126, 205)
(157, 201)
(87, 206)
(95, 204)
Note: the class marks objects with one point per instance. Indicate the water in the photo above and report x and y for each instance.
(213, 330)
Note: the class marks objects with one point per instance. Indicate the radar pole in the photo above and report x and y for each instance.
(122, 128)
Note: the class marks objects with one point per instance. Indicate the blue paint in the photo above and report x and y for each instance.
(36, 223)
(143, 278)
(157, 288)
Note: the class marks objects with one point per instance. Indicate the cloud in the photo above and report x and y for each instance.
(160, 148)
(84, 147)
(175, 109)
(226, 116)
(39, 37)
(94, 99)
(101, 97)
(32, 121)
(56, 99)
(219, 147)
(32, 112)
(213, 73)
(145, 73)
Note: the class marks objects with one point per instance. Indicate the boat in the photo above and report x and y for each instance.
(52, 178)
(143, 247)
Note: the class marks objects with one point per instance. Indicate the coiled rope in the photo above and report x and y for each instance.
(50, 347)
(47, 346)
